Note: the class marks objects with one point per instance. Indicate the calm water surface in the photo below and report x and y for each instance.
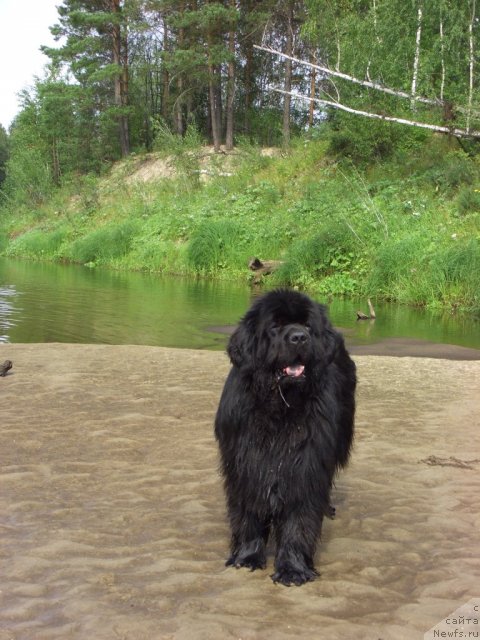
(57, 303)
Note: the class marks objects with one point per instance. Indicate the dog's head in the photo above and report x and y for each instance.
(284, 334)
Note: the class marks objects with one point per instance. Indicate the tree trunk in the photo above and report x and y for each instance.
(248, 82)
(442, 51)
(212, 92)
(120, 58)
(55, 162)
(213, 95)
(165, 74)
(178, 102)
(230, 85)
(416, 62)
(454, 131)
(470, 66)
(313, 79)
(288, 76)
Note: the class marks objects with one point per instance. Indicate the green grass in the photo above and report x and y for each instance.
(405, 230)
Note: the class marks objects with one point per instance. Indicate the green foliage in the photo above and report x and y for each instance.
(324, 262)
(4, 153)
(374, 140)
(457, 276)
(468, 200)
(28, 176)
(183, 151)
(387, 230)
(451, 171)
(103, 245)
(215, 245)
(414, 270)
(38, 244)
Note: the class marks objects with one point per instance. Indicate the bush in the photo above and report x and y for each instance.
(456, 275)
(103, 244)
(214, 245)
(371, 140)
(327, 257)
(451, 171)
(396, 261)
(468, 200)
(419, 272)
(38, 243)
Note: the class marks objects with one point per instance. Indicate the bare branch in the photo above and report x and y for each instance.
(364, 83)
(434, 102)
(458, 133)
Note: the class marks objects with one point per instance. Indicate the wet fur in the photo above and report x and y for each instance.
(282, 438)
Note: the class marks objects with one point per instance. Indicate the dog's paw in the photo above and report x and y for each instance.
(252, 561)
(331, 511)
(289, 576)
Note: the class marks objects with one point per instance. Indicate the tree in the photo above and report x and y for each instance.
(95, 49)
(28, 178)
(4, 153)
(397, 60)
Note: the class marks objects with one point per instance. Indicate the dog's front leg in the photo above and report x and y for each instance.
(297, 536)
(249, 538)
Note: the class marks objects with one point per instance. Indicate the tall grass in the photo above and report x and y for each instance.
(413, 272)
(216, 245)
(37, 244)
(102, 245)
(323, 262)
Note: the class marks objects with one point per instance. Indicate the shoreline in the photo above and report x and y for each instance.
(397, 347)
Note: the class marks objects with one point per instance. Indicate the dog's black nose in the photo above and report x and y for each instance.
(298, 337)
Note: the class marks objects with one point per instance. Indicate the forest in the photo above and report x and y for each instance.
(372, 105)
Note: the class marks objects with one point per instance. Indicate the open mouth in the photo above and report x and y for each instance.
(294, 371)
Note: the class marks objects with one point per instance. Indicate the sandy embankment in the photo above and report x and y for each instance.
(112, 516)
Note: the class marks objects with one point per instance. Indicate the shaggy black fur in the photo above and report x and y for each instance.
(284, 425)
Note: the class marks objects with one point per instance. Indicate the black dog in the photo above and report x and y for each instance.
(284, 425)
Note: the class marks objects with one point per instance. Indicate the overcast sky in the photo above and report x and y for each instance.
(24, 26)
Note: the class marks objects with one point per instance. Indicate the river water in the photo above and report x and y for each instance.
(41, 302)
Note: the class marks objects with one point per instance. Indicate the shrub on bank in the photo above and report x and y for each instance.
(216, 245)
(102, 245)
(37, 244)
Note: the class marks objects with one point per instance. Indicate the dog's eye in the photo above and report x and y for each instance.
(273, 330)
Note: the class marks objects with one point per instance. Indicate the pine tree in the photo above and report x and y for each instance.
(95, 49)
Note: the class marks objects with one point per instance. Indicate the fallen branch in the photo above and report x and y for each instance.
(434, 102)
(458, 133)
(344, 76)
(363, 316)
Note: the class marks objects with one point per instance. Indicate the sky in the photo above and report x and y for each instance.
(24, 27)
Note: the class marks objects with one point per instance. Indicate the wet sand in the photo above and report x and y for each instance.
(112, 518)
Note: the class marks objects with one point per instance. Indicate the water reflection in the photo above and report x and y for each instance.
(8, 310)
(57, 303)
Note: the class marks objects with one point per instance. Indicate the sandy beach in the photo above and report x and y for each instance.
(112, 516)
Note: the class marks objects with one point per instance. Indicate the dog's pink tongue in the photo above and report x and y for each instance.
(295, 370)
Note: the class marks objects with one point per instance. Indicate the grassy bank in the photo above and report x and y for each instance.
(407, 230)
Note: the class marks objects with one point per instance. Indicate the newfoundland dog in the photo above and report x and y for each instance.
(284, 425)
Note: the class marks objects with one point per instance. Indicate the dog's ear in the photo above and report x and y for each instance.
(241, 346)
(331, 342)
(330, 338)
